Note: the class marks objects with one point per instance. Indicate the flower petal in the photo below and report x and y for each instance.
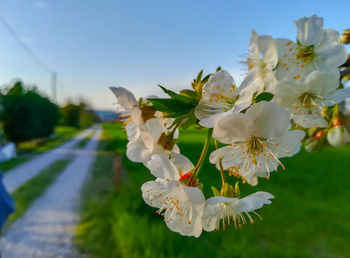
(181, 162)
(161, 167)
(125, 98)
(254, 201)
(136, 150)
(269, 119)
(233, 127)
(309, 30)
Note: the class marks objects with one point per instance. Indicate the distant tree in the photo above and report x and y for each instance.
(77, 115)
(27, 114)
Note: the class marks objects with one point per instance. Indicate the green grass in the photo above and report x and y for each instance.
(62, 134)
(34, 188)
(82, 143)
(310, 216)
(28, 150)
(12, 163)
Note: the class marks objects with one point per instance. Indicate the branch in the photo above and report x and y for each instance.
(346, 71)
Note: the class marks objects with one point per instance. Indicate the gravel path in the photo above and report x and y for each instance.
(47, 228)
(21, 174)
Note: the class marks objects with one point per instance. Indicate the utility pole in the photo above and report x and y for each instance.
(53, 86)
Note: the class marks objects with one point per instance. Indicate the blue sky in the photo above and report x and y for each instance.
(139, 44)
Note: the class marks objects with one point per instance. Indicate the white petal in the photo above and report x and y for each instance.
(321, 83)
(253, 45)
(254, 201)
(339, 95)
(181, 162)
(309, 30)
(152, 189)
(229, 154)
(269, 119)
(219, 87)
(289, 144)
(209, 114)
(233, 127)
(161, 167)
(189, 223)
(136, 150)
(155, 128)
(268, 49)
(309, 118)
(125, 98)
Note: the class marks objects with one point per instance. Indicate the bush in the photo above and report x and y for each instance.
(79, 116)
(27, 114)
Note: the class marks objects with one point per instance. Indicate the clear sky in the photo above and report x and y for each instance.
(139, 44)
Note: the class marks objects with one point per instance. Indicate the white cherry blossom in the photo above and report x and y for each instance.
(305, 99)
(181, 205)
(223, 210)
(257, 139)
(219, 97)
(144, 128)
(262, 60)
(317, 49)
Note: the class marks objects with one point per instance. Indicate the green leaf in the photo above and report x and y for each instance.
(191, 119)
(179, 98)
(172, 107)
(206, 78)
(218, 69)
(190, 94)
(267, 96)
(199, 76)
(215, 191)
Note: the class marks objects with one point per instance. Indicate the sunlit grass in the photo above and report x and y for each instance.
(82, 143)
(310, 216)
(62, 134)
(28, 150)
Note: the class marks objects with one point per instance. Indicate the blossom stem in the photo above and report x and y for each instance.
(223, 178)
(334, 115)
(204, 153)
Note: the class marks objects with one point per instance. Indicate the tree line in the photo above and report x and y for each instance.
(26, 113)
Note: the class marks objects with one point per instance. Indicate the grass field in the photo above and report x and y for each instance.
(310, 216)
(27, 150)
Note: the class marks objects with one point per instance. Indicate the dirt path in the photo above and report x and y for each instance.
(21, 174)
(47, 228)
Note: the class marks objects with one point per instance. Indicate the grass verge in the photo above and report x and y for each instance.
(28, 150)
(34, 188)
(82, 143)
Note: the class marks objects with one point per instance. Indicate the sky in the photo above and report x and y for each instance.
(93, 44)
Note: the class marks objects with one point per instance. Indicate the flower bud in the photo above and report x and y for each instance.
(345, 37)
(338, 136)
(313, 144)
(228, 191)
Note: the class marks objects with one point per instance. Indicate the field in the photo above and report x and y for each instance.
(310, 216)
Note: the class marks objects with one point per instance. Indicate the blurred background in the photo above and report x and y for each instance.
(57, 60)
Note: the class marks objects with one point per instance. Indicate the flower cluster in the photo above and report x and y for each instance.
(289, 97)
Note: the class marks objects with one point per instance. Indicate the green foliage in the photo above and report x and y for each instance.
(27, 114)
(120, 224)
(77, 115)
(179, 106)
(265, 96)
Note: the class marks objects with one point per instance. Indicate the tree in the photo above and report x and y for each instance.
(27, 114)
